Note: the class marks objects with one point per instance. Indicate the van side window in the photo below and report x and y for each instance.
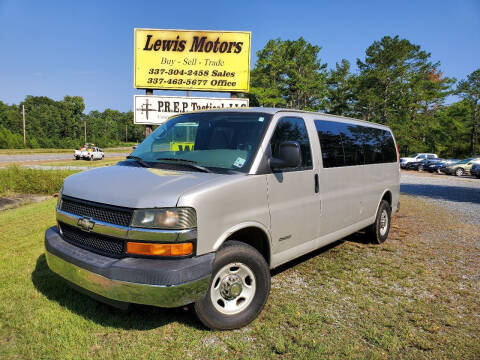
(344, 144)
(353, 143)
(292, 129)
(373, 147)
(331, 143)
(389, 149)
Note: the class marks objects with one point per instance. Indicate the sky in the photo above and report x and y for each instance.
(85, 48)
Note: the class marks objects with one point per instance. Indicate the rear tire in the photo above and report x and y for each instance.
(459, 172)
(379, 230)
(420, 168)
(238, 290)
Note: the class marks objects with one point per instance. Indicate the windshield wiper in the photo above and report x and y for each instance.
(190, 163)
(139, 160)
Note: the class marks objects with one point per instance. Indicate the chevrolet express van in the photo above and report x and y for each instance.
(203, 223)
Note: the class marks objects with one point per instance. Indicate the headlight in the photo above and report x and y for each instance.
(166, 218)
(59, 200)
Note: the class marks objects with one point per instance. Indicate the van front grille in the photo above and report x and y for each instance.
(97, 243)
(106, 213)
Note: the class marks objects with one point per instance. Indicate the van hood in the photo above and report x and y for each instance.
(134, 187)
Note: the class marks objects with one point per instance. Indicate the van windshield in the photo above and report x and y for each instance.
(217, 141)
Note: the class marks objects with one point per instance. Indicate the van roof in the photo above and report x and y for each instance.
(273, 111)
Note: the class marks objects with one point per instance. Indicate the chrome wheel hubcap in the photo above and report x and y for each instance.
(233, 288)
(383, 223)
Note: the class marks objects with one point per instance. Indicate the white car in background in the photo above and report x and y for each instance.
(416, 157)
(89, 153)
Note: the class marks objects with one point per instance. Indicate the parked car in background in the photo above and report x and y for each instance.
(416, 157)
(475, 170)
(460, 168)
(414, 165)
(421, 165)
(437, 166)
(89, 152)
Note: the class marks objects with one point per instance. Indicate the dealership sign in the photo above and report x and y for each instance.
(192, 60)
(154, 110)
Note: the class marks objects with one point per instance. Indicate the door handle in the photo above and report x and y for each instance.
(317, 185)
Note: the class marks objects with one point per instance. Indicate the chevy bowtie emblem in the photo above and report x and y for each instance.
(86, 224)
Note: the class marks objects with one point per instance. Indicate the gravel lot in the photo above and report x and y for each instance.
(458, 194)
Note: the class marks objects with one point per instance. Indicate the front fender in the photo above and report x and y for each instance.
(218, 243)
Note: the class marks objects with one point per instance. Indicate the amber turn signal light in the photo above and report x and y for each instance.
(152, 249)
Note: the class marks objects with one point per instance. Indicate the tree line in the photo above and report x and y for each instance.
(61, 124)
(396, 83)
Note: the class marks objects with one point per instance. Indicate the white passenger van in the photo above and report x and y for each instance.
(211, 201)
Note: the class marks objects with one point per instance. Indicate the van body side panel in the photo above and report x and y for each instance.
(225, 204)
(294, 208)
(378, 178)
(343, 197)
(304, 248)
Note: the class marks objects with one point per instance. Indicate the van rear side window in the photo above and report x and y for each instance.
(344, 144)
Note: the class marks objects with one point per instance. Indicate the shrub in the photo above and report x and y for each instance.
(17, 179)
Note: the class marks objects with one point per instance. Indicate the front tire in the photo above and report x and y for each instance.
(238, 290)
(459, 172)
(379, 230)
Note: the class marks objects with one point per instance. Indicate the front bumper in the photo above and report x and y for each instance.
(158, 282)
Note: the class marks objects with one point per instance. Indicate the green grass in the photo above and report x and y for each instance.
(16, 179)
(414, 297)
(107, 161)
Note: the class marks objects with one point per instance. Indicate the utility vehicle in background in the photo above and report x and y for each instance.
(89, 152)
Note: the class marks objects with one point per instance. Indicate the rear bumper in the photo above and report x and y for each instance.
(158, 282)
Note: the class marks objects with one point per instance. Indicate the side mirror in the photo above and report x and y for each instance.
(134, 147)
(290, 156)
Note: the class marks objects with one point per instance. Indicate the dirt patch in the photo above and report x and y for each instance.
(16, 200)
